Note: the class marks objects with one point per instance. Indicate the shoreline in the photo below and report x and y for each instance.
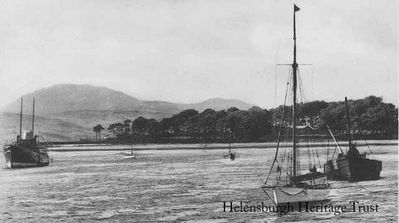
(211, 146)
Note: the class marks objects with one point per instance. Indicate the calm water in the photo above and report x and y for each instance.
(183, 185)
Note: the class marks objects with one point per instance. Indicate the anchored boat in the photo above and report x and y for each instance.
(230, 154)
(286, 183)
(26, 151)
(351, 166)
(129, 155)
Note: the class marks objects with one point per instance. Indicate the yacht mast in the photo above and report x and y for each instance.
(294, 88)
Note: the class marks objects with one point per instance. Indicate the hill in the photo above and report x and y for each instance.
(71, 97)
(68, 112)
(217, 104)
(50, 129)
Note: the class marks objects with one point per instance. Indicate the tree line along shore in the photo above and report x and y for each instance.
(61, 147)
(370, 118)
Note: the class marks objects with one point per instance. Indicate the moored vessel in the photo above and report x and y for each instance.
(26, 151)
(231, 155)
(351, 166)
(130, 155)
(291, 185)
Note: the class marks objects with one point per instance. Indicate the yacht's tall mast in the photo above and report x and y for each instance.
(294, 78)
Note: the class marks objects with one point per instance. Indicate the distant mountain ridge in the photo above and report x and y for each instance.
(217, 104)
(71, 97)
(67, 112)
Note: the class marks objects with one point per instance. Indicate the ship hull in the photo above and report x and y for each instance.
(282, 195)
(17, 157)
(230, 155)
(360, 169)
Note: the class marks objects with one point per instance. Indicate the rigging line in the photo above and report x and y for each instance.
(286, 142)
(336, 143)
(332, 156)
(364, 138)
(310, 158)
(283, 156)
(267, 194)
(278, 138)
(275, 86)
(299, 85)
(312, 93)
(318, 158)
(328, 147)
(301, 88)
(288, 164)
(275, 73)
(286, 126)
(314, 157)
(287, 129)
(282, 168)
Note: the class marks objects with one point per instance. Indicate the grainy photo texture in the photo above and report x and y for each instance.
(198, 111)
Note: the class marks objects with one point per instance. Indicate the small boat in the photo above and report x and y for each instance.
(351, 166)
(288, 184)
(129, 155)
(26, 151)
(230, 154)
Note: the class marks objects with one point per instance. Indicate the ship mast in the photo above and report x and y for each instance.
(348, 125)
(294, 88)
(20, 121)
(33, 116)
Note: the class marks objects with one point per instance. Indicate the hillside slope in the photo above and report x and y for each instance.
(67, 112)
(50, 129)
(71, 97)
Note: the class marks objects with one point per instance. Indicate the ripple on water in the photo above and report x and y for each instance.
(170, 186)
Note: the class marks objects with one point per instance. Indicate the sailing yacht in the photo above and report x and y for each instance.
(290, 184)
(231, 155)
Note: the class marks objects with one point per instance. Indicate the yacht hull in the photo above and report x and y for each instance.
(283, 194)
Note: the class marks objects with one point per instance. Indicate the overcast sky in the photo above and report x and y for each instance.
(191, 50)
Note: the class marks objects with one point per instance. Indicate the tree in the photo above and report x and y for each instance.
(139, 125)
(167, 127)
(117, 129)
(367, 116)
(97, 129)
(207, 124)
(126, 126)
(179, 120)
(152, 128)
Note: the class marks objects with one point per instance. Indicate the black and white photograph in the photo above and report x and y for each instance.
(199, 111)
